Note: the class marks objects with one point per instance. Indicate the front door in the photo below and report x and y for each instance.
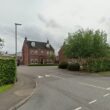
(41, 61)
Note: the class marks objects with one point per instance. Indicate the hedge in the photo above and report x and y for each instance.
(63, 65)
(74, 67)
(97, 65)
(7, 71)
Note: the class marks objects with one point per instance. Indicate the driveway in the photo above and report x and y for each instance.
(64, 90)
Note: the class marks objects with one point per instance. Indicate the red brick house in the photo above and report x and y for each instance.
(34, 52)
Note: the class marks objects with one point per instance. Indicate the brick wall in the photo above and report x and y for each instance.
(39, 56)
(25, 54)
(62, 57)
(34, 55)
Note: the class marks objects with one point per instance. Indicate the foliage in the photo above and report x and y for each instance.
(63, 65)
(7, 71)
(74, 67)
(86, 43)
(97, 65)
(1, 40)
(1, 43)
(52, 56)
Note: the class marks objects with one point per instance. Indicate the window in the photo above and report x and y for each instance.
(47, 52)
(42, 51)
(33, 44)
(36, 52)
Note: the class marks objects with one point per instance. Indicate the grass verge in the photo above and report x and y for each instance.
(5, 88)
(107, 73)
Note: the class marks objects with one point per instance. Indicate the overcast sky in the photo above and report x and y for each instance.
(50, 19)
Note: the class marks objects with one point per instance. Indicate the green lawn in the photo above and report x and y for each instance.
(5, 88)
(104, 73)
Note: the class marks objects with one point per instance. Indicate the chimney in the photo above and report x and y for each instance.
(47, 41)
(26, 39)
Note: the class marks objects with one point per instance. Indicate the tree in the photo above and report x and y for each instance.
(1, 44)
(86, 43)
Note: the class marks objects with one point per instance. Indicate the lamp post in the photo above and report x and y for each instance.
(16, 24)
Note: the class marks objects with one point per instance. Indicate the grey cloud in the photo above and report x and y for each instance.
(102, 20)
(49, 23)
(31, 32)
(6, 30)
(105, 22)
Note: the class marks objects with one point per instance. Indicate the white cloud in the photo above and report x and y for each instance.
(51, 19)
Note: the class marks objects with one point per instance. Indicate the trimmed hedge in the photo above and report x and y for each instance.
(97, 65)
(74, 67)
(7, 71)
(63, 65)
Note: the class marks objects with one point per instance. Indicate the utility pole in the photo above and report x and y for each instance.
(16, 24)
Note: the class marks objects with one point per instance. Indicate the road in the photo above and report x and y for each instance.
(64, 90)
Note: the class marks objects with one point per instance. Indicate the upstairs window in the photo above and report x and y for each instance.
(36, 52)
(42, 51)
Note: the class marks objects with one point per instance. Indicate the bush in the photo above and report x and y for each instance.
(74, 67)
(97, 65)
(63, 65)
(7, 71)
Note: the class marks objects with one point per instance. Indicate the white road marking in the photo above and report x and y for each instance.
(106, 95)
(108, 88)
(92, 102)
(79, 108)
(57, 76)
(47, 75)
(40, 77)
(86, 84)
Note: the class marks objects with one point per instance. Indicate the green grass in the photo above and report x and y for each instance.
(5, 88)
(107, 73)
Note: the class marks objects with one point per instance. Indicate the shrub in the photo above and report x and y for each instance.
(7, 71)
(74, 67)
(63, 65)
(98, 65)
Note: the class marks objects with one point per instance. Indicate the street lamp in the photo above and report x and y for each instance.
(16, 24)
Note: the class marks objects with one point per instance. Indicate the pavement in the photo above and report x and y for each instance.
(64, 90)
(20, 91)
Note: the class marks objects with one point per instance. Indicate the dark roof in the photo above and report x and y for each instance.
(39, 45)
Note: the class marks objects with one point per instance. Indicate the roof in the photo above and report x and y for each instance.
(39, 45)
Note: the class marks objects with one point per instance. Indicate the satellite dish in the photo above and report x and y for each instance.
(33, 44)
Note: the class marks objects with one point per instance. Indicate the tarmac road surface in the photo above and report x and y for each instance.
(63, 90)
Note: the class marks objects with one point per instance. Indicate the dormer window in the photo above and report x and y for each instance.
(48, 45)
(33, 44)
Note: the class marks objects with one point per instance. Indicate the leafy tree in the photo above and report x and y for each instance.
(86, 43)
(1, 44)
